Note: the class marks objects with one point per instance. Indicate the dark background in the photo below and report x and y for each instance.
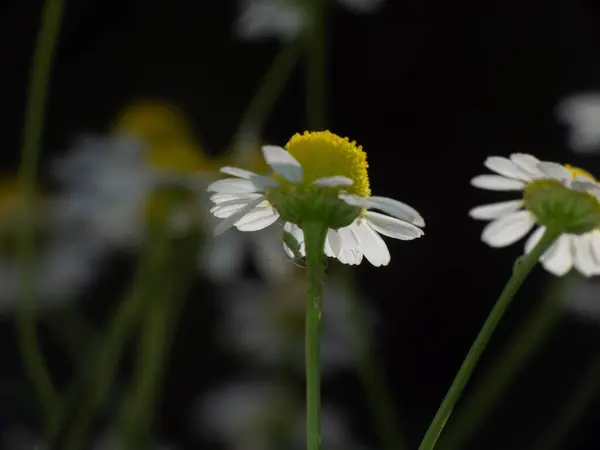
(429, 88)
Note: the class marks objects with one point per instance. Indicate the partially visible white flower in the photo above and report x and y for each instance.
(510, 221)
(581, 297)
(105, 184)
(337, 168)
(252, 415)
(581, 113)
(64, 267)
(284, 19)
(266, 324)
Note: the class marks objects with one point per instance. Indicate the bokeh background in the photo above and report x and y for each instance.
(429, 89)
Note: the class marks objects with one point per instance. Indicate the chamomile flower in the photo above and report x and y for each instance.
(581, 113)
(514, 219)
(285, 19)
(318, 177)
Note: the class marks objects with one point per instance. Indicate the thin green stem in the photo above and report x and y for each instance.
(98, 377)
(584, 395)
(316, 87)
(520, 272)
(492, 387)
(35, 110)
(270, 88)
(314, 238)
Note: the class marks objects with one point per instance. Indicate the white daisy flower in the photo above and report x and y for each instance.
(259, 415)
(510, 220)
(284, 19)
(106, 185)
(266, 324)
(581, 113)
(323, 174)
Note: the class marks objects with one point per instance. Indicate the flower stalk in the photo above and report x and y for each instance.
(520, 272)
(314, 239)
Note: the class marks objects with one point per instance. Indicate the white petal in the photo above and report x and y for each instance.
(371, 244)
(283, 163)
(595, 243)
(392, 227)
(227, 209)
(497, 183)
(507, 229)
(527, 163)
(387, 205)
(583, 257)
(257, 219)
(335, 242)
(495, 210)
(233, 186)
(333, 182)
(506, 168)
(554, 170)
(234, 218)
(534, 239)
(298, 234)
(258, 180)
(222, 198)
(349, 253)
(558, 260)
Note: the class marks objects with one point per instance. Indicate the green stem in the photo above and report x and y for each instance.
(520, 272)
(104, 367)
(316, 88)
(270, 88)
(585, 394)
(314, 238)
(492, 387)
(35, 110)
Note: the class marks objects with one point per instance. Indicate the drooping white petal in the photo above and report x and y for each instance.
(234, 218)
(497, 183)
(595, 243)
(223, 198)
(283, 163)
(388, 205)
(298, 234)
(583, 258)
(258, 180)
(335, 242)
(233, 186)
(349, 253)
(558, 260)
(227, 209)
(333, 182)
(534, 239)
(257, 219)
(392, 227)
(495, 210)
(526, 162)
(507, 229)
(506, 168)
(555, 171)
(373, 247)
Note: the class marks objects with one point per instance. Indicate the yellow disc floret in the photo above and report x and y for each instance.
(324, 154)
(575, 171)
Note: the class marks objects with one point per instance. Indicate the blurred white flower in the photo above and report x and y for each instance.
(106, 184)
(581, 113)
(223, 257)
(284, 19)
(253, 415)
(581, 297)
(266, 324)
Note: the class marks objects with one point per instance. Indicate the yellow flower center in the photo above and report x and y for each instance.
(324, 154)
(575, 171)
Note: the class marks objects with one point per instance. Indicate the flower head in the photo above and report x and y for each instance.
(319, 177)
(555, 195)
